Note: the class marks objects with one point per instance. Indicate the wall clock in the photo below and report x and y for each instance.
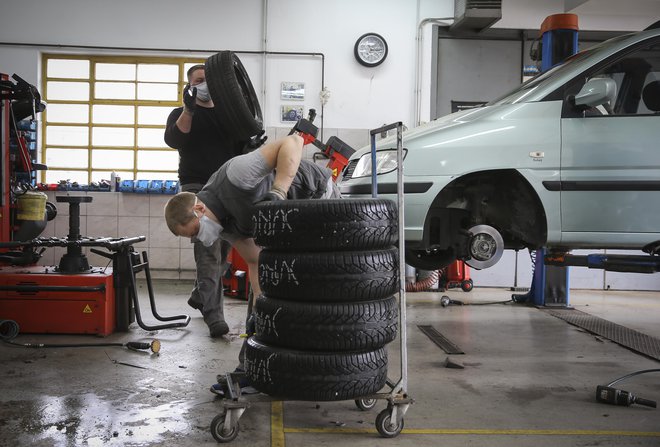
(370, 49)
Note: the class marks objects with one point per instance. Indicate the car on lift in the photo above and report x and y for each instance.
(568, 160)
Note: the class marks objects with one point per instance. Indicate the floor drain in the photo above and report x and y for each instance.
(440, 340)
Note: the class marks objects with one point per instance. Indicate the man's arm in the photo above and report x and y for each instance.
(174, 137)
(284, 155)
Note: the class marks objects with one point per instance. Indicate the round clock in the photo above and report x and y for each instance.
(370, 49)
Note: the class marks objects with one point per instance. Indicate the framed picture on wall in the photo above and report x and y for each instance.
(293, 91)
(291, 113)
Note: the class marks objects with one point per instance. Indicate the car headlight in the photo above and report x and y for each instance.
(385, 162)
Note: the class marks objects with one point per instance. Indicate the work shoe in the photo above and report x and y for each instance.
(218, 329)
(220, 389)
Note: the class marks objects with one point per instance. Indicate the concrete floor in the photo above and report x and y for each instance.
(529, 380)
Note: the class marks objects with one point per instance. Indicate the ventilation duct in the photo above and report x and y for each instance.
(476, 15)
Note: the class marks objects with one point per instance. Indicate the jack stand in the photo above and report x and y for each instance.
(550, 284)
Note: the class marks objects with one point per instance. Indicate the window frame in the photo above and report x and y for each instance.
(183, 64)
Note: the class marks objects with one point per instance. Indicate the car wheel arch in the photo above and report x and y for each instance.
(503, 199)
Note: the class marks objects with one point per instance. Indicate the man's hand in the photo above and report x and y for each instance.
(189, 99)
(273, 195)
(255, 142)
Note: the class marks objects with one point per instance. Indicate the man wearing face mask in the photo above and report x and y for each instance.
(203, 147)
(223, 209)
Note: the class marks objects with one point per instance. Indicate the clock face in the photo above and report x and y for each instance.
(370, 49)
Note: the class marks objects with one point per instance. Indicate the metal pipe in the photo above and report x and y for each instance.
(418, 63)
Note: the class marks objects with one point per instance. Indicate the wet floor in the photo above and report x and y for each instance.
(527, 379)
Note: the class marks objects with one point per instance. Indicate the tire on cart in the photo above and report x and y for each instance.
(326, 224)
(329, 276)
(230, 87)
(314, 376)
(218, 429)
(384, 424)
(356, 326)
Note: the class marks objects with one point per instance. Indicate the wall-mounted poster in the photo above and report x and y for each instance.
(293, 91)
(291, 113)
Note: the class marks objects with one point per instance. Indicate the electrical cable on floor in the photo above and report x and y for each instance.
(609, 395)
(9, 329)
(446, 301)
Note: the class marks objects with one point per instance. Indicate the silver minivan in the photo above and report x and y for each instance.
(570, 159)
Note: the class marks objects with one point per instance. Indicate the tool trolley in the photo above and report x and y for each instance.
(390, 421)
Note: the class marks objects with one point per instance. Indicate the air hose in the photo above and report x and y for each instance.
(424, 284)
(9, 329)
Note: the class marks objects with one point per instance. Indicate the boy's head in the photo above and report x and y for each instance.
(180, 215)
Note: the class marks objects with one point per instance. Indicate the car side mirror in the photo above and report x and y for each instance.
(595, 92)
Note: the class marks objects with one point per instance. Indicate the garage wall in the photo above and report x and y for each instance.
(492, 69)
(360, 98)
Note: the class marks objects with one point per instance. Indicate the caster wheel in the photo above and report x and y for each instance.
(218, 430)
(384, 424)
(365, 404)
(467, 286)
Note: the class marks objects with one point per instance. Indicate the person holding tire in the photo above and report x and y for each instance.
(203, 147)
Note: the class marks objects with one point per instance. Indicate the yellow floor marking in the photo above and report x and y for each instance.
(467, 431)
(276, 424)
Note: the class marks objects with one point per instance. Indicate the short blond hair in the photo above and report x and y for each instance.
(179, 210)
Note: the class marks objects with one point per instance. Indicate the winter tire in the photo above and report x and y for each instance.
(332, 224)
(314, 376)
(238, 109)
(329, 276)
(344, 327)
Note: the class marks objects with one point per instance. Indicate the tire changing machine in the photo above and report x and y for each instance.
(389, 422)
(74, 298)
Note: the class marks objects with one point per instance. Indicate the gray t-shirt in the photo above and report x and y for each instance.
(232, 190)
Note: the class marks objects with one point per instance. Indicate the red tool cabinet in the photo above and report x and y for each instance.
(42, 301)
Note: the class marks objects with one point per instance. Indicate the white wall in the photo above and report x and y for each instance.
(360, 97)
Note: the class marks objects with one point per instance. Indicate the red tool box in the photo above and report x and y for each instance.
(236, 280)
(42, 300)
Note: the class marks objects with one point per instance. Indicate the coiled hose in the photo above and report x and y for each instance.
(424, 284)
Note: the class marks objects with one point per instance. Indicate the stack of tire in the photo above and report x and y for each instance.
(328, 274)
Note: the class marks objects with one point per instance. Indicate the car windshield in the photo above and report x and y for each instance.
(532, 84)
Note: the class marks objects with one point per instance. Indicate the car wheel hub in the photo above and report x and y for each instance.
(486, 247)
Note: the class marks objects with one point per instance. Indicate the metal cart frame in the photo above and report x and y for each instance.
(389, 422)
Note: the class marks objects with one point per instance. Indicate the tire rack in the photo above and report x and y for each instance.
(389, 422)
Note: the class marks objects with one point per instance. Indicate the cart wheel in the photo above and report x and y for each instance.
(365, 404)
(218, 431)
(385, 426)
(467, 285)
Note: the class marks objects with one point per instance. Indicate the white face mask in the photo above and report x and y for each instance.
(209, 231)
(203, 92)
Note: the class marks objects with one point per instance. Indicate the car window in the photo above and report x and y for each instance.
(530, 85)
(632, 74)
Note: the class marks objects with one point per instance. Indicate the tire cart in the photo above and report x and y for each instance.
(389, 422)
